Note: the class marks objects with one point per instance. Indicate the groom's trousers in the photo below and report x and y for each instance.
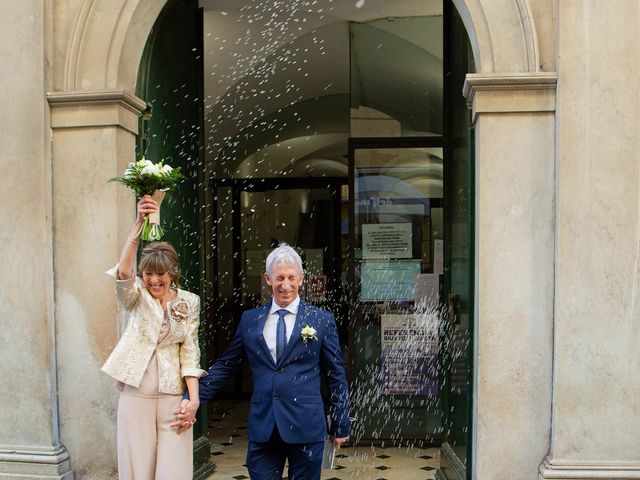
(265, 461)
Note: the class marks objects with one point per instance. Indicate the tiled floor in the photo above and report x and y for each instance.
(227, 431)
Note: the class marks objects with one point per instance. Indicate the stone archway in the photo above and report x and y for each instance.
(95, 58)
(503, 35)
(106, 40)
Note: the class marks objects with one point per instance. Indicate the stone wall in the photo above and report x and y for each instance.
(597, 327)
(28, 398)
(558, 222)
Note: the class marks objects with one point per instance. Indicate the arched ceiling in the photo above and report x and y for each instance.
(266, 62)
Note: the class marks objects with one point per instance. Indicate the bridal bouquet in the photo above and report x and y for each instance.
(147, 178)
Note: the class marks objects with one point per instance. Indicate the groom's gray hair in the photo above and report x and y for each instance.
(283, 254)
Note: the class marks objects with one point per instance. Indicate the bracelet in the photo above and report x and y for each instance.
(135, 242)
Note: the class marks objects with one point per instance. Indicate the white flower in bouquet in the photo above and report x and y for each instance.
(143, 162)
(150, 170)
(147, 178)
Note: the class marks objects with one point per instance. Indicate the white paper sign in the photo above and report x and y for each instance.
(427, 288)
(386, 240)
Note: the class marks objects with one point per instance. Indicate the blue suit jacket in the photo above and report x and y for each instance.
(287, 394)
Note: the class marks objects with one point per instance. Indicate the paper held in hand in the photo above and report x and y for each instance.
(328, 454)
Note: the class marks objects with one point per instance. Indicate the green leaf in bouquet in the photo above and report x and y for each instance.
(145, 177)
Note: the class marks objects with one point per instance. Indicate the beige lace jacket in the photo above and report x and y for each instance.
(178, 354)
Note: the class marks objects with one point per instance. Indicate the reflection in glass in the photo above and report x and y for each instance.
(397, 267)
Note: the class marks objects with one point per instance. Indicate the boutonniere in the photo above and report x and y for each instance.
(180, 311)
(308, 333)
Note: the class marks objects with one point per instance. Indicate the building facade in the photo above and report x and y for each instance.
(557, 232)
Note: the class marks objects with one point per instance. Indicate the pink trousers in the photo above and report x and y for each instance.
(148, 449)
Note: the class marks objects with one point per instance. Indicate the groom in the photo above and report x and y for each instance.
(289, 345)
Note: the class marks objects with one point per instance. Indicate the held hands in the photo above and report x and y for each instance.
(185, 415)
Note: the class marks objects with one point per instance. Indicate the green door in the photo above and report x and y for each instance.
(457, 331)
(170, 81)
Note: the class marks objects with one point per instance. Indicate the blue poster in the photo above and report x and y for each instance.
(390, 281)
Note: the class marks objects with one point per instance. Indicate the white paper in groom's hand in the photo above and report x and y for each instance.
(328, 454)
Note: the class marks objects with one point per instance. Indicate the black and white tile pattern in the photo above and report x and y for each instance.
(227, 432)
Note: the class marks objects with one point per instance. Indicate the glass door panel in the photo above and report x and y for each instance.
(256, 215)
(303, 218)
(396, 77)
(397, 242)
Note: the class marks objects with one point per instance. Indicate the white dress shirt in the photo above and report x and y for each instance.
(271, 325)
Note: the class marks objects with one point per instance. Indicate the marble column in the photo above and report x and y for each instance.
(515, 200)
(93, 140)
(596, 414)
(30, 445)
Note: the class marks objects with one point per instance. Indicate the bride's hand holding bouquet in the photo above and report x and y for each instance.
(147, 206)
(153, 180)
